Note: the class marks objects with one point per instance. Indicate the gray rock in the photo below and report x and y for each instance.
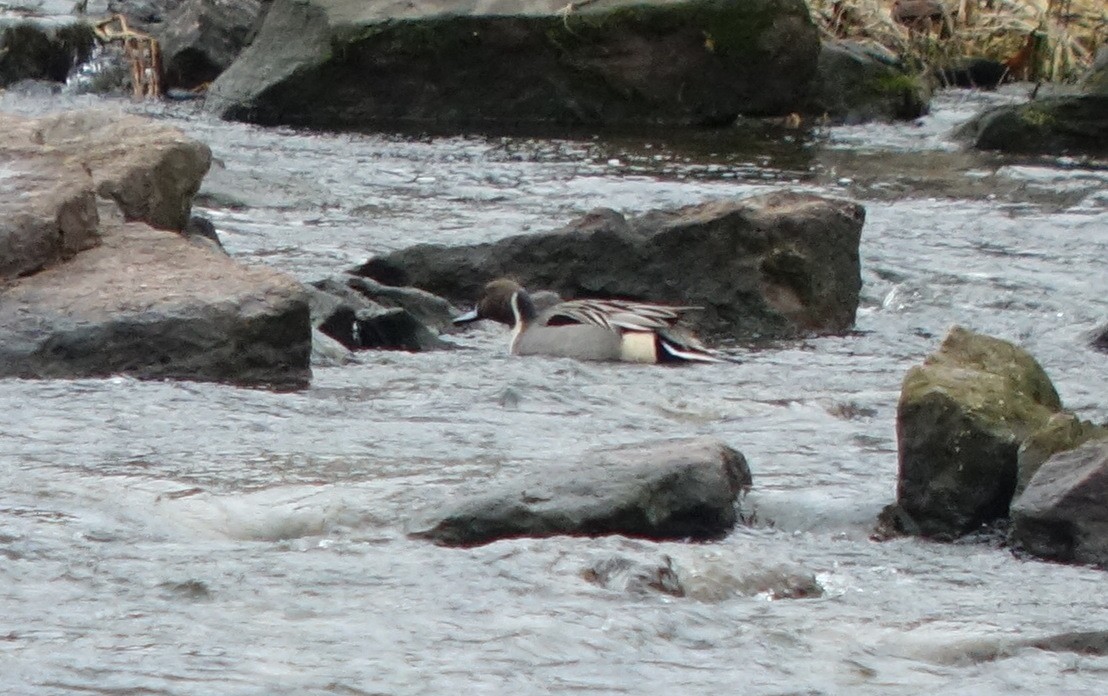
(1076, 124)
(341, 311)
(770, 266)
(201, 38)
(42, 48)
(353, 64)
(151, 171)
(961, 418)
(89, 293)
(853, 84)
(1100, 339)
(1063, 514)
(1064, 431)
(672, 489)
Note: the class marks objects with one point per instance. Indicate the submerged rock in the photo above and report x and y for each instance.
(854, 83)
(1063, 514)
(351, 64)
(761, 267)
(673, 489)
(961, 419)
(101, 279)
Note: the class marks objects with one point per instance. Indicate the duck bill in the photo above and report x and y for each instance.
(467, 318)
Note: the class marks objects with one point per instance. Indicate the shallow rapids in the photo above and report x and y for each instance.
(181, 538)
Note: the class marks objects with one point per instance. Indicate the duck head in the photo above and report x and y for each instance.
(501, 300)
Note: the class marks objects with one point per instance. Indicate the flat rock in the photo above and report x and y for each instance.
(1063, 513)
(674, 489)
(450, 63)
(93, 288)
(772, 266)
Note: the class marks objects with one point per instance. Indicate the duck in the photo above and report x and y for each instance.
(605, 330)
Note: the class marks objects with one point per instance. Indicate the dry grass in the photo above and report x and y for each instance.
(1067, 32)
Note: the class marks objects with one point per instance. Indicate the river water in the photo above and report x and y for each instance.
(180, 538)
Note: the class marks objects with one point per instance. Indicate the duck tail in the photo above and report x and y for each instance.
(687, 349)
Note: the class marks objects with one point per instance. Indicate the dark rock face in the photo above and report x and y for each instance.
(93, 288)
(1074, 123)
(201, 38)
(350, 64)
(1064, 431)
(348, 310)
(42, 49)
(1100, 339)
(973, 72)
(853, 84)
(761, 267)
(961, 419)
(1055, 125)
(1063, 514)
(669, 490)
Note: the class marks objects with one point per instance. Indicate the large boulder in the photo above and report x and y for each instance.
(856, 82)
(44, 48)
(95, 283)
(150, 171)
(201, 38)
(961, 419)
(761, 267)
(674, 489)
(353, 64)
(1063, 514)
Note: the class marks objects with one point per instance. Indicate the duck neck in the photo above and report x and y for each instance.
(523, 309)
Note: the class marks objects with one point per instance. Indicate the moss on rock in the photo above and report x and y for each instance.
(961, 418)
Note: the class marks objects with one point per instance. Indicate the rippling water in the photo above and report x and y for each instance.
(178, 538)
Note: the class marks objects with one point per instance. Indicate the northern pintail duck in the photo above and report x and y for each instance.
(589, 329)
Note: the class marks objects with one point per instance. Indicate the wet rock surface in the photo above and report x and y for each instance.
(103, 278)
(1063, 513)
(667, 490)
(351, 311)
(761, 267)
(344, 64)
(1075, 123)
(855, 83)
(961, 419)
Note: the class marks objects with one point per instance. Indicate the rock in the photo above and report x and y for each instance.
(1063, 514)
(761, 267)
(1073, 123)
(90, 294)
(1057, 125)
(201, 230)
(673, 489)
(961, 419)
(201, 38)
(327, 352)
(48, 211)
(147, 303)
(854, 84)
(42, 48)
(1064, 431)
(150, 171)
(346, 63)
(340, 310)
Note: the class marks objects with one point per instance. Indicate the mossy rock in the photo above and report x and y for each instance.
(961, 418)
(1064, 431)
(42, 49)
(1075, 124)
(453, 63)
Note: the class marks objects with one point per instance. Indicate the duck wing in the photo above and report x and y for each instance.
(614, 315)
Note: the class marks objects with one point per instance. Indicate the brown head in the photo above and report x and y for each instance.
(496, 303)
